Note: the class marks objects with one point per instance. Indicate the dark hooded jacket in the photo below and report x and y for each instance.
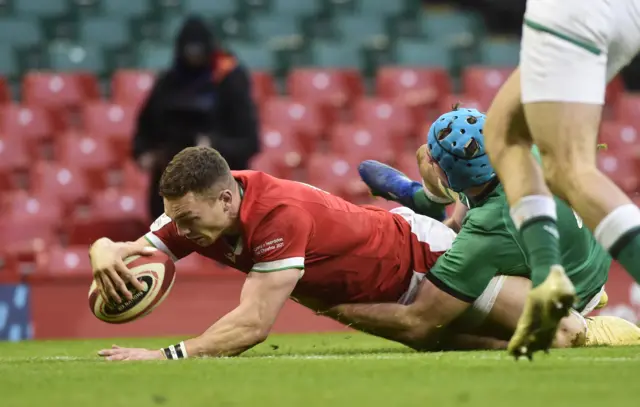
(185, 102)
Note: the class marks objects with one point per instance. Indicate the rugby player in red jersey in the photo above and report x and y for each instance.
(293, 241)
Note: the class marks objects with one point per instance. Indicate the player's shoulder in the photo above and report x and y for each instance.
(486, 220)
(265, 197)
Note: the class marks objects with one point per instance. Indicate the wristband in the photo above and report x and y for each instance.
(174, 352)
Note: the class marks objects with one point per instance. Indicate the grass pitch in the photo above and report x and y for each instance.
(315, 370)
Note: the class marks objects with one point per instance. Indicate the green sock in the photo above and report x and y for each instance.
(627, 252)
(425, 206)
(540, 238)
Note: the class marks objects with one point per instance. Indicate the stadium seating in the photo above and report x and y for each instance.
(337, 174)
(335, 82)
(112, 122)
(390, 116)
(301, 117)
(361, 141)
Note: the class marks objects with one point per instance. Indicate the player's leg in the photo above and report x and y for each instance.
(533, 209)
(563, 61)
(495, 315)
(497, 311)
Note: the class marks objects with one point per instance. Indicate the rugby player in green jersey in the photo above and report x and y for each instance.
(488, 247)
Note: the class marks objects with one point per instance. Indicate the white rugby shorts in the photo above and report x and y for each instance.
(571, 49)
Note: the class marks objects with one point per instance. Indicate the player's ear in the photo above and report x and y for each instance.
(226, 197)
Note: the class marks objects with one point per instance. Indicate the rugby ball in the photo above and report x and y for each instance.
(156, 272)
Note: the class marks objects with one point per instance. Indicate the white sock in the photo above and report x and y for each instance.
(533, 206)
(617, 223)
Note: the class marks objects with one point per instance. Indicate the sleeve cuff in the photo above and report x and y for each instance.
(278, 265)
(159, 244)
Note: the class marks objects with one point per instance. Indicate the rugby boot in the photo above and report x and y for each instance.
(611, 331)
(545, 306)
(388, 183)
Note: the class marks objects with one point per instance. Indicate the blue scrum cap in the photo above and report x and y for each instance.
(456, 143)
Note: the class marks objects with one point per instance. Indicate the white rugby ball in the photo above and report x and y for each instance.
(156, 272)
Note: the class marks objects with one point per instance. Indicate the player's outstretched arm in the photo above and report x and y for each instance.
(109, 270)
(263, 296)
(418, 325)
(261, 300)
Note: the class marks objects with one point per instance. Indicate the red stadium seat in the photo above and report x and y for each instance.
(361, 142)
(31, 124)
(483, 83)
(408, 164)
(58, 90)
(447, 103)
(627, 110)
(283, 147)
(331, 89)
(393, 117)
(337, 175)
(28, 224)
(414, 86)
(303, 118)
(24, 205)
(9, 268)
(621, 168)
(14, 162)
(5, 91)
(119, 215)
(130, 87)
(420, 89)
(58, 261)
(263, 86)
(112, 121)
(619, 136)
(90, 154)
(63, 183)
(615, 90)
(269, 162)
(133, 177)
(23, 237)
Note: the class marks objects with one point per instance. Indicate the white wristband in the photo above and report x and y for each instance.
(174, 352)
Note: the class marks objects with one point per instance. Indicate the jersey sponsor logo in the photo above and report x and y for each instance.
(269, 246)
(160, 222)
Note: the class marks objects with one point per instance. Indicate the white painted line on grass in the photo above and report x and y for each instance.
(388, 356)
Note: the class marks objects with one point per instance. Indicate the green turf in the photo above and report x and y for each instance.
(316, 370)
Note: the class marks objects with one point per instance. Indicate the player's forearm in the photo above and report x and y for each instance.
(233, 334)
(389, 320)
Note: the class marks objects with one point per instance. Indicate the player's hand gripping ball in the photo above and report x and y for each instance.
(156, 272)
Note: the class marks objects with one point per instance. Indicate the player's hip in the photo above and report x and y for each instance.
(424, 241)
(574, 45)
(587, 24)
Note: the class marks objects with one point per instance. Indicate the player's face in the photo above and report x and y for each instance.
(201, 218)
(436, 168)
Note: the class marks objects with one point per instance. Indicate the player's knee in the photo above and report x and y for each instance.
(422, 334)
(564, 174)
(570, 334)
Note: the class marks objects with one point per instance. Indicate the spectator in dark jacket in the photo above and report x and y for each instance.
(203, 99)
